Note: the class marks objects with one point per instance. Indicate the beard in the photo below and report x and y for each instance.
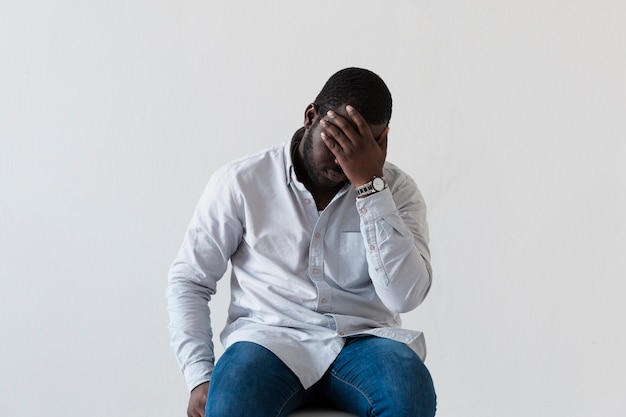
(314, 173)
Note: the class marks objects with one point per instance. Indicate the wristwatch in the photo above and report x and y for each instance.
(377, 184)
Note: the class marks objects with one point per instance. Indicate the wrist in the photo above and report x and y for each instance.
(375, 185)
(362, 180)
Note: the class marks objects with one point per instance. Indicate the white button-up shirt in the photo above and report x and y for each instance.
(301, 280)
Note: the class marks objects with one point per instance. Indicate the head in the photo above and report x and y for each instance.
(358, 87)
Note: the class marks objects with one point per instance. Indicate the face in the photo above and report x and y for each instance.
(317, 160)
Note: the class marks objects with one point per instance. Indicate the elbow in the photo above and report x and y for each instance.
(401, 300)
(410, 302)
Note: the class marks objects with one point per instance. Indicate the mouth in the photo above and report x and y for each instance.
(336, 175)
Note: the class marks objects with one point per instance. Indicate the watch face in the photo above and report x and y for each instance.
(378, 184)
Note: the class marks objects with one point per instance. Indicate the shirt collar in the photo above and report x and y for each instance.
(290, 148)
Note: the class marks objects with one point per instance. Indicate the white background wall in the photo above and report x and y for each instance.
(510, 115)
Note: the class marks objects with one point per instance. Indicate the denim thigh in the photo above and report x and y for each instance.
(249, 380)
(380, 377)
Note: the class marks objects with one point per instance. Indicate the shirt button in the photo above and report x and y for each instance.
(372, 247)
(307, 201)
(341, 333)
(317, 235)
(363, 210)
(323, 300)
(316, 271)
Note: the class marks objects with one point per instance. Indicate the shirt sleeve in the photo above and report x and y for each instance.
(393, 224)
(211, 238)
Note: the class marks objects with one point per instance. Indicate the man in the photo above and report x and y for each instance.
(328, 245)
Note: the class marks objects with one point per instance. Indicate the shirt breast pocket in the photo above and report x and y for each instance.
(351, 261)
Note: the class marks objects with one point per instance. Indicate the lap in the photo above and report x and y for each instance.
(250, 380)
(370, 376)
(381, 377)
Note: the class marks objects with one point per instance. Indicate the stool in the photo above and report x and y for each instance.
(318, 412)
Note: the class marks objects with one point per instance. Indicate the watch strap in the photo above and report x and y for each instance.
(368, 188)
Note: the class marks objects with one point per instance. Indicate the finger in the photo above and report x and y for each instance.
(335, 149)
(347, 129)
(358, 120)
(331, 144)
(334, 137)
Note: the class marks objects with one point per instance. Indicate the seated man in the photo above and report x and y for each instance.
(328, 244)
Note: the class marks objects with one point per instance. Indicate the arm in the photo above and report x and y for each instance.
(393, 222)
(211, 238)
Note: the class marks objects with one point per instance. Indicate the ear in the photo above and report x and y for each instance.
(310, 114)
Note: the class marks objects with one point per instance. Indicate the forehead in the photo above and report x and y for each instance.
(377, 129)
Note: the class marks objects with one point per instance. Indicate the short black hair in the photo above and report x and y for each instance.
(360, 88)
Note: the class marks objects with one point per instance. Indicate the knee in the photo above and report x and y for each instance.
(410, 386)
(417, 394)
(390, 375)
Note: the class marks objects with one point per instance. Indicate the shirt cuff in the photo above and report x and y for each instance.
(376, 205)
(198, 373)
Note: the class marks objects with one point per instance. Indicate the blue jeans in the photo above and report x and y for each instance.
(372, 376)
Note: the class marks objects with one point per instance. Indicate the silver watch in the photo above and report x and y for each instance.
(376, 185)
